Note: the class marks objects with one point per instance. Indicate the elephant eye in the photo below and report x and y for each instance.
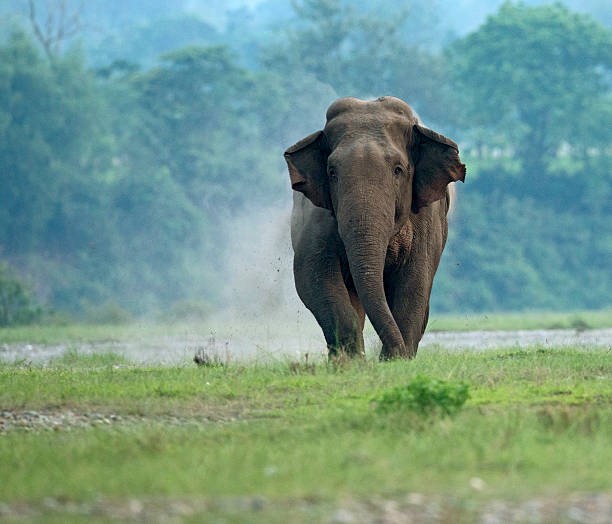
(331, 171)
(398, 171)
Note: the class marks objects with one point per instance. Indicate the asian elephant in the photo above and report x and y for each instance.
(369, 222)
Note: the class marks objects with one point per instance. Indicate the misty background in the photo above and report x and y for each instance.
(141, 168)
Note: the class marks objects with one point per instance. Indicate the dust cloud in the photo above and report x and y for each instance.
(262, 312)
(263, 315)
(258, 264)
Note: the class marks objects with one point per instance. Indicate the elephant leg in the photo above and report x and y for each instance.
(408, 297)
(320, 285)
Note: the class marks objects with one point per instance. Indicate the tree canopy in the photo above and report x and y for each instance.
(535, 91)
(119, 178)
(533, 76)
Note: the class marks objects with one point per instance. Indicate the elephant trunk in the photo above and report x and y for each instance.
(365, 234)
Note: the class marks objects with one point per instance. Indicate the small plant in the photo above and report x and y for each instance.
(210, 355)
(425, 396)
(305, 367)
(579, 324)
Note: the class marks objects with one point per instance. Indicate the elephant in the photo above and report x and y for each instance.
(369, 222)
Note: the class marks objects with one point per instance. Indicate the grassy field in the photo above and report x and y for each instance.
(517, 321)
(93, 437)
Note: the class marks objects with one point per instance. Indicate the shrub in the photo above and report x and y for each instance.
(425, 396)
(16, 305)
(108, 313)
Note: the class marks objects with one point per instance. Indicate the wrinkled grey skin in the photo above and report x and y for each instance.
(369, 222)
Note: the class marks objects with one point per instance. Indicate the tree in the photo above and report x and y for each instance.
(531, 228)
(61, 23)
(56, 156)
(199, 123)
(532, 76)
(197, 135)
(144, 42)
(362, 51)
(53, 146)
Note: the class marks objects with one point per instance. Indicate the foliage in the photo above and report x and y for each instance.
(362, 52)
(425, 396)
(143, 43)
(121, 170)
(191, 99)
(530, 229)
(121, 180)
(532, 76)
(52, 152)
(16, 305)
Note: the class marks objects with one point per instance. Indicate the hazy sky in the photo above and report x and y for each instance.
(457, 16)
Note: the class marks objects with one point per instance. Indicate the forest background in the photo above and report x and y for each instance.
(141, 167)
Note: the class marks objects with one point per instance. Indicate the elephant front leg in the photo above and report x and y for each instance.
(320, 285)
(341, 328)
(408, 297)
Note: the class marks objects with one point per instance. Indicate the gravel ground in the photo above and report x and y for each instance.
(55, 420)
(66, 420)
(587, 508)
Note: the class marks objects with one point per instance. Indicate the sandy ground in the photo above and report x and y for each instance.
(270, 343)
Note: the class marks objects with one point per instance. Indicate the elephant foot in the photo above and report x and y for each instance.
(342, 352)
(397, 352)
(348, 345)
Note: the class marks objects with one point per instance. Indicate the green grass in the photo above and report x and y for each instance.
(517, 321)
(84, 333)
(537, 422)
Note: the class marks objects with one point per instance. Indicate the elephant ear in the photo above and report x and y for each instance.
(437, 165)
(307, 163)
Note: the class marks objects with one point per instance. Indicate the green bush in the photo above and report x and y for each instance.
(16, 305)
(425, 396)
(107, 313)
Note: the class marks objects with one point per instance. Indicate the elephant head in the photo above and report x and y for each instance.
(376, 169)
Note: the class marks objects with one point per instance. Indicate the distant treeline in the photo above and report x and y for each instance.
(117, 182)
